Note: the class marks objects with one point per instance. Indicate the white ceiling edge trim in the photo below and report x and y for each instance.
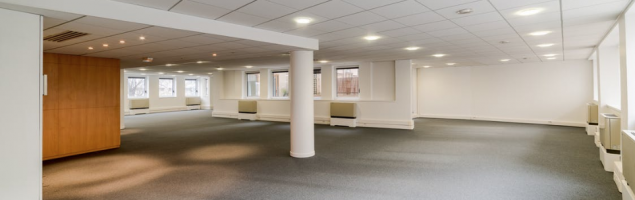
(143, 15)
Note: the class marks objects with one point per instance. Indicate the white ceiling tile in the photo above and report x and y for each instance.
(266, 9)
(506, 4)
(334, 9)
(573, 4)
(298, 4)
(111, 24)
(435, 26)
(436, 4)
(549, 8)
(51, 22)
(478, 7)
(305, 32)
(199, 10)
(383, 26)
(362, 18)
(158, 4)
(330, 26)
(177, 44)
(400, 32)
(227, 4)
(400, 9)
(415, 37)
(277, 26)
(422, 18)
(452, 31)
(478, 19)
(487, 26)
(242, 19)
(370, 4)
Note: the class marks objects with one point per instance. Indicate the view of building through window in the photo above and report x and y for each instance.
(191, 87)
(137, 87)
(166, 87)
(253, 84)
(347, 82)
(317, 82)
(280, 84)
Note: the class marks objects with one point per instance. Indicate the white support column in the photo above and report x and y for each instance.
(627, 75)
(365, 83)
(21, 115)
(301, 95)
(328, 82)
(265, 83)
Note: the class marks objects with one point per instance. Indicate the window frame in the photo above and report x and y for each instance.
(145, 83)
(247, 85)
(196, 86)
(174, 94)
(273, 87)
(315, 83)
(337, 83)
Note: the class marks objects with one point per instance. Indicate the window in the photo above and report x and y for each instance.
(347, 82)
(167, 87)
(206, 87)
(191, 87)
(317, 82)
(253, 84)
(281, 84)
(137, 87)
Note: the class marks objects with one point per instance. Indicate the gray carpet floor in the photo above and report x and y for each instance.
(190, 155)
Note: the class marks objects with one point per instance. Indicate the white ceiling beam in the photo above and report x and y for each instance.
(143, 15)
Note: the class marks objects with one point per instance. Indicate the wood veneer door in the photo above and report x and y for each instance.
(50, 137)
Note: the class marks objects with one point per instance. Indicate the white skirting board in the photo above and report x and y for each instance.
(138, 111)
(344, 122)
(247, 116)
(608, 159)
(194, 107)
(525, 121)
(591, 129)
(618, 176)
(627, 192)
(371, 123)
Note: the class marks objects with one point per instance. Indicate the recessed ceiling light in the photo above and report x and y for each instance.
(199, 62)
(303, 20)
(161, 73)
(179, 71)
(412, 48)
(169, 65)
(426, 66)
(142, 38)
(450, 64)
(551, 58)
(249, 66)
(371, 37)
(529, 11)
(545, 45)
(323, 61)
(90, 48)
(438, 55)
(214, 54)
(539, 33)
(504, 42)
(143, 74)
(191, 74)
(549, 55)
(210, 73)
(464, 11)
(142, 69)
(505, 60)
(105, 45)
(219, 68)
(122, 41)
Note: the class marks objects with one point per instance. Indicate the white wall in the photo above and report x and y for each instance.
(20, 115)
(161, 104)
(548, 93)
(388, 103)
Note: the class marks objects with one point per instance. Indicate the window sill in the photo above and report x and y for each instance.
(138, 98)
(166, 97)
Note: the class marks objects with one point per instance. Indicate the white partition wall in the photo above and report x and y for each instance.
(20, 115)
(627, 74)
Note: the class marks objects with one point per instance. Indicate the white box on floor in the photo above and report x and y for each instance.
(248, 116)
(618, 176)
(343, 122)
(591, 129)
(627, 193)
(608, 159)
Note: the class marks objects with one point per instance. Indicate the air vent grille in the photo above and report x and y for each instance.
(66, 35)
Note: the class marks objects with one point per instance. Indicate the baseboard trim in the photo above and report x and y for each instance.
(524, 121)
(370, 123)
(78, 153)
(168, 109)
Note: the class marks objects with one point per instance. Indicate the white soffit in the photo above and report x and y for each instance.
(144, 15)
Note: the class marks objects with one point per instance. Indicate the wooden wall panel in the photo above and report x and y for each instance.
(49, 133)
(83, 106)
